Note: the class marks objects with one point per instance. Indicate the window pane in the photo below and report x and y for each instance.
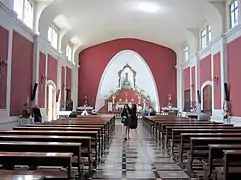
(18, 8)
(186, 52)
(55, 39)
(235, 4)
(50, 34)
(209, 36)
(69, 52)
(236, 17)
(28, 14)
(209, 33)
(234, 14)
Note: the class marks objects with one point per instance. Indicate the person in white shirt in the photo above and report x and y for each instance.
(84, 113)
(203, 116)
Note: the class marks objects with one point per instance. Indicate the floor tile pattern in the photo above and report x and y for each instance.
(139, 158)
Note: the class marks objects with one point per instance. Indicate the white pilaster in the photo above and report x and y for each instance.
(212, 80)
(36, 67)
(46, 86)
(59, 75)
(74, 87)
(9, 70)
(223, 67)
(180, 99)
(190, 84)
(197, 81)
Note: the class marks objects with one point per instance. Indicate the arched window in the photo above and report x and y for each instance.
(69, 51)
(24, 10)
(53, 36)
(186, 53)
(234, 13)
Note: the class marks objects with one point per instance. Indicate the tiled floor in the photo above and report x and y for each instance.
(139, 158)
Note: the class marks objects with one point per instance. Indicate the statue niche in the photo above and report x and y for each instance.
(126, 85)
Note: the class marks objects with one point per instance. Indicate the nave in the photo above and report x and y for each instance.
(139, 158)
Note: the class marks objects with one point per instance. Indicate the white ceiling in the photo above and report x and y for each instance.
(96, 21)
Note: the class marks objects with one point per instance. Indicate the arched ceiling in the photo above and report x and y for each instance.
(165, 22)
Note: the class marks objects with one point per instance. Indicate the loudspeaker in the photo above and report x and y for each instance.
(34, 91)
(226, 92)
(58, 95)
(198, 97)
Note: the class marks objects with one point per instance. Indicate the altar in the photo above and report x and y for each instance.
(126, 93)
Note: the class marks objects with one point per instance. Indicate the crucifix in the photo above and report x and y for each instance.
(2, 64)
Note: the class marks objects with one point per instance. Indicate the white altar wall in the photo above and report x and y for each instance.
(144, 78)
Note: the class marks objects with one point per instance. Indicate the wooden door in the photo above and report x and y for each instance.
(187, 100)
(207, 99)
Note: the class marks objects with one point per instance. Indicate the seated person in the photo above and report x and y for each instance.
(37, 115)
(25, 114)
(73, 114)
(84, 113)
(203, 116)
(144, 113)
(152, 112)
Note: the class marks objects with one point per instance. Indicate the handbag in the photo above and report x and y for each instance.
(122, 120)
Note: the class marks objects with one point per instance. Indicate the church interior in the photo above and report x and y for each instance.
(120, 90)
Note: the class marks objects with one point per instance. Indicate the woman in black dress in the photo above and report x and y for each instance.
(133, 123)
(126, 115)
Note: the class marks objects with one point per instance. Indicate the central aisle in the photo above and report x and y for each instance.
(139, 158)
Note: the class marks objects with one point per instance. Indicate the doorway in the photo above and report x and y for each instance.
(51, 102)
(207, 99)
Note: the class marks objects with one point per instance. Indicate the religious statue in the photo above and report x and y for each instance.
(126, 84)
(85, 101)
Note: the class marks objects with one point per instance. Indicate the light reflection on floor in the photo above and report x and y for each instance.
(139, 158)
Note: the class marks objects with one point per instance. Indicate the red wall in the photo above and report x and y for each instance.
(161, 61)
(62, 82)
(205, 70)
(22, 71)
(68, 78)
(42, 71)
(193, 84)
(234, 66)
(4, 56)
(186, 77)
(217, 85)
(52, 69)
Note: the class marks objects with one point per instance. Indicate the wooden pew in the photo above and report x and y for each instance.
(199, 148)
(215, 157)
(162, 126)
(92, 134)
(184, 145)
(100, 137)
(156, 122)
(169, 134)
(105, 135)
(21, 177)
(17, 146)
(37, 159)
(84, 140)
(176, 133)
(231, 169)
(108, 126)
